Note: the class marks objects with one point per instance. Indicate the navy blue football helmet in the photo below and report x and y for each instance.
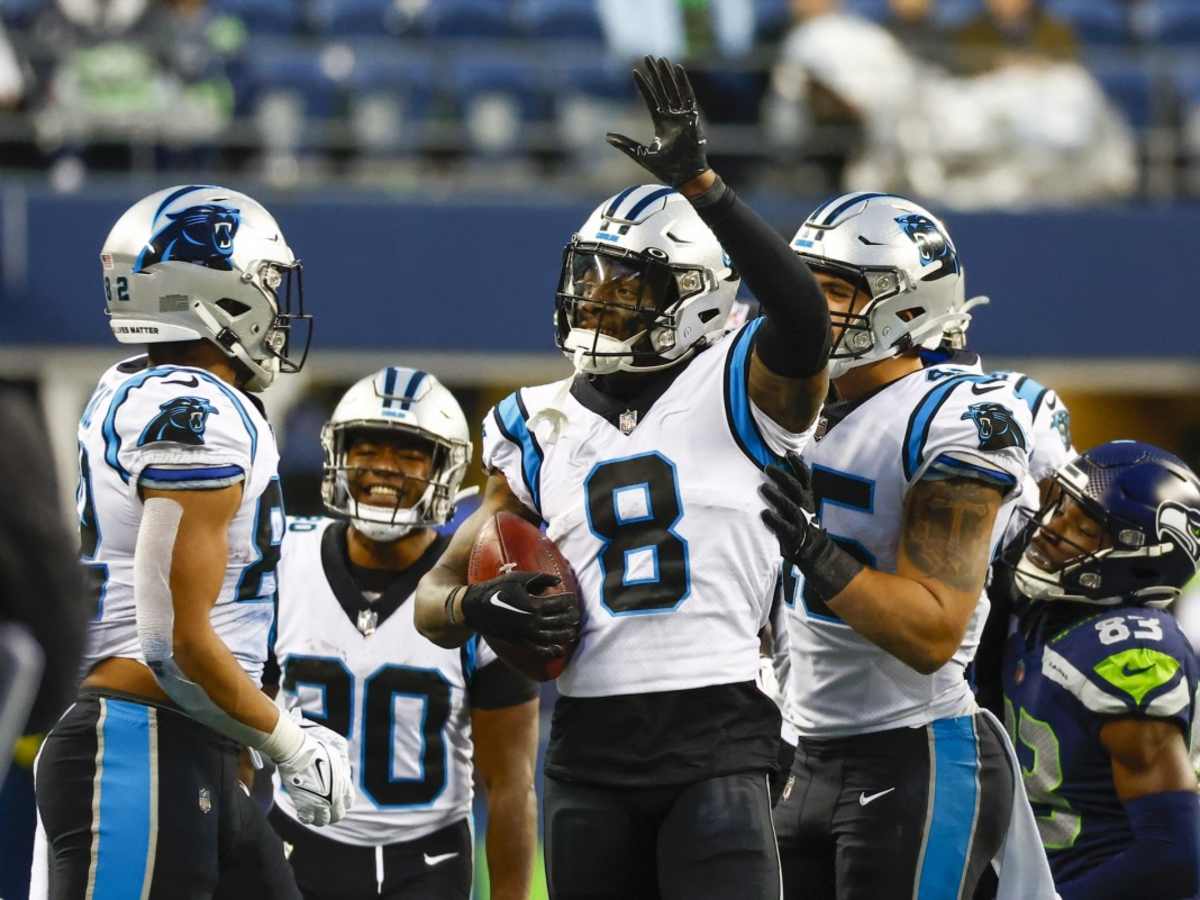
(1147, 502)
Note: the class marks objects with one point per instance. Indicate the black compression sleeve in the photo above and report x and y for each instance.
(794, 340)
(498, 685)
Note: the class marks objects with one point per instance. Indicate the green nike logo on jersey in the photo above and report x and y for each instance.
(1138, 671)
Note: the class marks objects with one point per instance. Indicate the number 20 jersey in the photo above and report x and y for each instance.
(661, 524)
(402, 702)
(1062, 683)
(947, 422)
(176, 428)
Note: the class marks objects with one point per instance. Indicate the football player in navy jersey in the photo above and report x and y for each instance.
(643, 466)
(1100, 683)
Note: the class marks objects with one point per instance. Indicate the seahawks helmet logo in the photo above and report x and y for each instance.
(1180, 525)
(180, 421)
(997, 429)
(932, 243)
(200, 234)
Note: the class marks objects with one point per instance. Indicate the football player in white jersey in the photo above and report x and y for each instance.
(891, 521)
(644, 467)
(416, 715)
(180, 521)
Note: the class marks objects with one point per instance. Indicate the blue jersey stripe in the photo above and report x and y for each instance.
(1031, 392)
(950, 466)
(737, 399)
(511, 418)
(207, 473)
(955, 794)
(921, 419)
(112, 440)
(125, 798)
(617, 200)
(638, 207)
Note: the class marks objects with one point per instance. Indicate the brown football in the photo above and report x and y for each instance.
(507, 543)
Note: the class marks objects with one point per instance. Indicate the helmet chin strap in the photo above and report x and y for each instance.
(381, 532)
(1038, 584)
(261, 374)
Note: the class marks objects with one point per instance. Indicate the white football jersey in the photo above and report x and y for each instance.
(176, 428)
(949, 421)
(401, 701)
(658, 513)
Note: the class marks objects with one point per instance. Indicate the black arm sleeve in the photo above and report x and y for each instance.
(41, 583)
(794, 340)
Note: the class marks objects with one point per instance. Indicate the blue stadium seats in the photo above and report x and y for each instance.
(872, 9)
(597, 78)
(288, 93)
(771, 17)
(352, 18)
(954, 13)
(496, 95)
(390, 96)
(1096, 22)
(570, 20)
(461, 19)
(265, 17)
(1129, 85)
(1174, 22)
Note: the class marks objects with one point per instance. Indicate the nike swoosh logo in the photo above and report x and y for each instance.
(864, 798)
(195, 382)
(985, 389)
(496, 601)
(320, 774)
(1128, 672)
(440, 858)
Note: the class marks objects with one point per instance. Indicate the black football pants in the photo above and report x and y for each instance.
(907, 814)
(711, 840)
(140, 801)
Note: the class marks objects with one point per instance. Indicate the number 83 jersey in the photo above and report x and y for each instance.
(176, 428)
(1063, 681)
(657, 510)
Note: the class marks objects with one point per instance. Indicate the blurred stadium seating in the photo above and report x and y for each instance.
(441, 82)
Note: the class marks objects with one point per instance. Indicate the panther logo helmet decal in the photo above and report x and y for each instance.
(180, 421)
(202, 234)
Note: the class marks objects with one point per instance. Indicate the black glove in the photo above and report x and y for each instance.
(505, 607)
(791, 516)
(676, 155)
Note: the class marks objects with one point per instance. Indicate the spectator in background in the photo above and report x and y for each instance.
(913, 24)
(12, 78)
(1014, 32)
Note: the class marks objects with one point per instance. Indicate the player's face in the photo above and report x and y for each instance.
(616, 298)
(388, 470)
(1072, 532)
(843, 296)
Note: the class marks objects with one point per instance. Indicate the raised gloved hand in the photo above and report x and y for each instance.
(791, 515)
(506, 607)
(317, 776)
(676, 155)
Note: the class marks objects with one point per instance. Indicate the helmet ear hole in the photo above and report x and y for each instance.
(708, 315)
(907, 315)
(235, 308)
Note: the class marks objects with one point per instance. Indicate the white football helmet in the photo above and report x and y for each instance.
(901, 256)
(410, 402)
(644, 284)
(200, 262)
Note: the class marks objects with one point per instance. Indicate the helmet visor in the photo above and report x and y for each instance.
(618, 295)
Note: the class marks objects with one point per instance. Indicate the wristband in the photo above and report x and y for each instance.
(714, 193)
(285, 739)
(450, 604)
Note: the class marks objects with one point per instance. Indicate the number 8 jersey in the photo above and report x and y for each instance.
(656, 507)
(176, 428)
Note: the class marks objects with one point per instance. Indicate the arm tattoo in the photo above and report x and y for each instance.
(793, 403)
(947, 530)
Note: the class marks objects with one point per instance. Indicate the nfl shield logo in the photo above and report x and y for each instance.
(628, 421)
(367, 620)
(205, 801)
